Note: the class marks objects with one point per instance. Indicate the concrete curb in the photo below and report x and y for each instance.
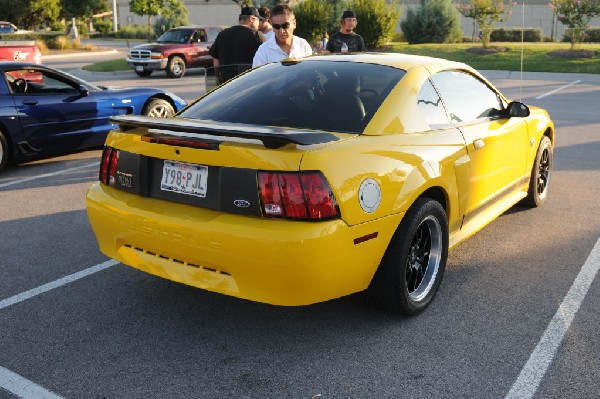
(75, 55)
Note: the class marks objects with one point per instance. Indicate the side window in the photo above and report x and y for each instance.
(199, 36)
(430, 104)
(31, 81)
(212, 34)
(466, 97)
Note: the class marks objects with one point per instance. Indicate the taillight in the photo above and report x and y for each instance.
(299, 196)
(108, 166)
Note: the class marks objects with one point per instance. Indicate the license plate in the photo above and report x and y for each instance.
(139, 68)
(184, 178)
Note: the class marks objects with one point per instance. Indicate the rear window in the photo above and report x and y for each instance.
(319, 95)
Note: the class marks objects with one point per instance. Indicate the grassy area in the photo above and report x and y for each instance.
(535, 56)
(108, 66)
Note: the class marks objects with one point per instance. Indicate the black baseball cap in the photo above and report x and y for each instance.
(348, 14)
(250, 12)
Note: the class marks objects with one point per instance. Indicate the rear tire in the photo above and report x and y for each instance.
(144, 73)
(411, 270)
(176, 67)
(540, 175)
(4, 152)
(158, 108)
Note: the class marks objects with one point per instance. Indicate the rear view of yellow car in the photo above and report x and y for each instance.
(303, 181)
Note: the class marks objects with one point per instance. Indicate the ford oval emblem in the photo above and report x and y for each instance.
(240, 203)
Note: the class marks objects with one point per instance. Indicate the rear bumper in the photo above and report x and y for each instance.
(272, 261)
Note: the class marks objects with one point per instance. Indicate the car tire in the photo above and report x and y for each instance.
(158, 108)
(176, 67)
(144, 73)
(540, 174)
(412, 267)
(4, 152)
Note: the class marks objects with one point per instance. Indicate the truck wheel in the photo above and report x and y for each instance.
(144, 73)
(158, 108)
(176, 67)
(3, 151)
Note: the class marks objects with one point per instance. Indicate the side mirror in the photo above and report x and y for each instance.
(83, 90)
(518, 110)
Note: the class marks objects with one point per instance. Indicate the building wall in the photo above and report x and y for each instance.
(535, 14)
(214, 12)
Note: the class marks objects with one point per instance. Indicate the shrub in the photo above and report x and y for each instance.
(436, 21)
(514, 35)
(132, 32)
(102, 26)
(376, 20)
(590, 35)
(312, 17)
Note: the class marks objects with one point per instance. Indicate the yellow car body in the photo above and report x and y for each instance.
(476, 171)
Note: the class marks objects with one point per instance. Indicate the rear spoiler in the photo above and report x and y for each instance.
(271, 137)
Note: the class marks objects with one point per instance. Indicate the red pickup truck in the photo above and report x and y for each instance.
(174, 51)
(20, 50)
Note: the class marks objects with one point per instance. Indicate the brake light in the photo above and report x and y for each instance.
(108, 166)
(299, 196)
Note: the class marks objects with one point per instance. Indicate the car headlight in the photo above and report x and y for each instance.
(156, 56)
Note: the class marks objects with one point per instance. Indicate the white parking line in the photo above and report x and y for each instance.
(529, 380)
(56, 283)
(23, 388)
(87, 165)
(559, 89)
(14, 383)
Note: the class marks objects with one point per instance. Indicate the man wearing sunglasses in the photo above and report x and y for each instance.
(346, 40)
(283, 44)
(234, 47)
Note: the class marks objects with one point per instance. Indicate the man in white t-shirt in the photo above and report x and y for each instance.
(283, 44)
(264, 26)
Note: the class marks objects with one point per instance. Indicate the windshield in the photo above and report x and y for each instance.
(176, 36)
(318, 95)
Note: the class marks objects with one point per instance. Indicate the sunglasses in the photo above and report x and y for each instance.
(284, 25)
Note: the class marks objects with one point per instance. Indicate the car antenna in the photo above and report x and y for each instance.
(522, 50)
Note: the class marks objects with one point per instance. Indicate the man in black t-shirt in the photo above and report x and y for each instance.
(346, 40)
(234, 47)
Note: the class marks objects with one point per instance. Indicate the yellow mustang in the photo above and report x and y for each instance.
(307, 180)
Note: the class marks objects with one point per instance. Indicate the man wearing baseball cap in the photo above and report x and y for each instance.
(346, 40)
(234, 47)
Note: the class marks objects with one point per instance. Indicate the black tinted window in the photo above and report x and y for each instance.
(319, 95)
(466, 97)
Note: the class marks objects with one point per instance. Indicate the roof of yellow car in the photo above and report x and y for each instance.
(397, 60)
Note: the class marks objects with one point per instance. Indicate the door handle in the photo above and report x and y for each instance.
(478, 144)
(30, 102)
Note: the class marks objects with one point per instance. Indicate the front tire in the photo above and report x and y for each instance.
(158, 108)
(176, 67)
(412, 267)
(4, 153)
(540, 175)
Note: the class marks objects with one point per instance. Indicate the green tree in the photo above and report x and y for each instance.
(436, 21)
(312, 17)
(179, 17)
(377, 20)
(152, 8)
(30, 13)
(83, 9)
(486, 13)
(576, 14)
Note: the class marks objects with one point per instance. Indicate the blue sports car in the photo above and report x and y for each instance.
(45, 112)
